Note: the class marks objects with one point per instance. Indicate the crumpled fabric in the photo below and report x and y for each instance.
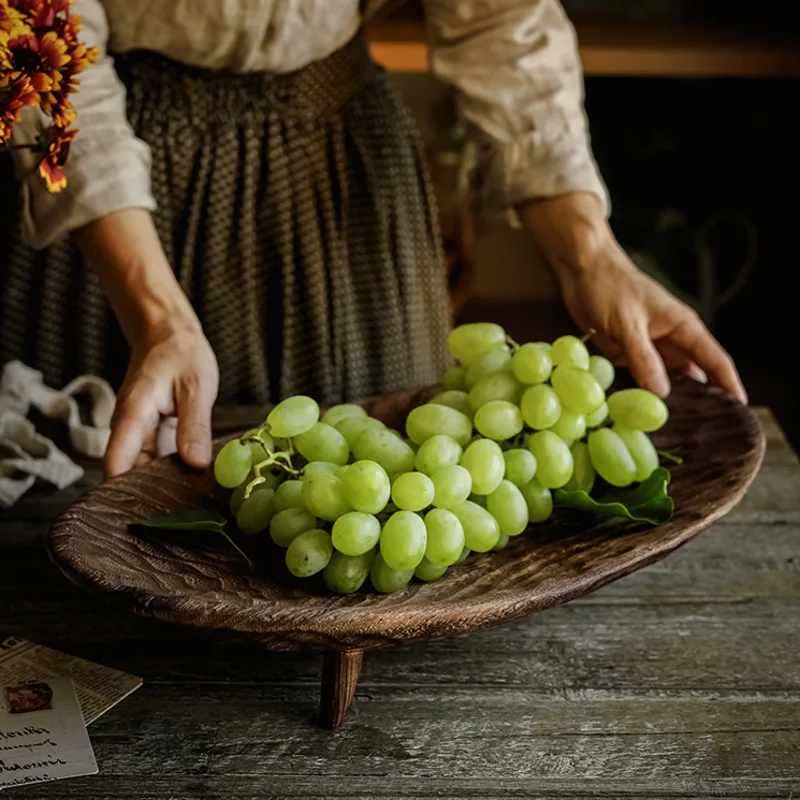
(26, 455)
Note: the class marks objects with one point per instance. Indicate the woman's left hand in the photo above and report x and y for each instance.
(638, 322)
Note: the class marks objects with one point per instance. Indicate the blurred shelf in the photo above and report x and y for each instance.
(625, 50)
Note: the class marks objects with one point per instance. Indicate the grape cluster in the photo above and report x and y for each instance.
(349, 497)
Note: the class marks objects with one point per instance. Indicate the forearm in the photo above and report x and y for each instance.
(125, 251)
(571, 230)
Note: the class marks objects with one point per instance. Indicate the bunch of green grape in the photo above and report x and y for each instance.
(353, 499)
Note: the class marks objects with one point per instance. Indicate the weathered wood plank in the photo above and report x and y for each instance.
(666, 742)
(390, 787)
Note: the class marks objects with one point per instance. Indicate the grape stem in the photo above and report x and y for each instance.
(588, 335)
(514, 345)
(667, 456)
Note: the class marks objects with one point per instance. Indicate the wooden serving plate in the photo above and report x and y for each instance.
(203, 583)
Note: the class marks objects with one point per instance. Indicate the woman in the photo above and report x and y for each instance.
(248, 186)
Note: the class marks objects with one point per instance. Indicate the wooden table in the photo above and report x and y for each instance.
(680, 681)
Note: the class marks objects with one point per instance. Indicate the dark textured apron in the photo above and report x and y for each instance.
(299, 218)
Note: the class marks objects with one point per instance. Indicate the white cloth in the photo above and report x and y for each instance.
(25, 455)
(514, 63)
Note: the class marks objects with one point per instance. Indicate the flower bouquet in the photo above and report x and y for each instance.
(40, 59)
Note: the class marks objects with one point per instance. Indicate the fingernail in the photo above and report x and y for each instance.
(197, 453)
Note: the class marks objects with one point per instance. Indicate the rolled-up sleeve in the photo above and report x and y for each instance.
(108, 168)
(516, 67)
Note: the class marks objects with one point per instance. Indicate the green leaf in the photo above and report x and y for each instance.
(186, 519)
(647, 502)
(193, 519)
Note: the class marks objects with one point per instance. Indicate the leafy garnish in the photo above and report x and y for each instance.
(193, 519)
(648, 502)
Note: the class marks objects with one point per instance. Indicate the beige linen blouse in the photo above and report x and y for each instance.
(514, 64)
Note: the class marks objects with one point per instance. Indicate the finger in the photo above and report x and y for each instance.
(709, 355)
(675, 360)
(167, 436)
(194, 398)
(644, 360)
(135, 420)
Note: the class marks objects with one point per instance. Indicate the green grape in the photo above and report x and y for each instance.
(355, 533)
(500, 386)
(309, 553)
(352, 427)
(324, 496)
(445, 533)
(499, 420)
(502, 542)
(403, 540)
(498, 360)
(583, 474)
(237, 496)
(336, 414)
(464, 555)
(412, 491)
(577, 389)
(531, 363)
(256, 512)
(467, 343)
(385, 448)
(540, 406)
(322, 442)
(507, 505)
(427, 420)
(318, 468)
(428, 571)
(638, 409)
(484, 461)
(570, 350)
(481, 530)
(387, 580)
(289, 495)
(293, 416)
(454, 399)
(454, 379)
(367, 487)
(451, 486)
(520, 465)
(341, 470)
(436, 453)
(569, 426)
(642, 450)
(610, 457)
(596, 419)
(603, 371)
(553, 459)
(232, 464)
(346, 574)
(539, 500)
(288, 524)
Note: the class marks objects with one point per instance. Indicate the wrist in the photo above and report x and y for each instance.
(571, 230)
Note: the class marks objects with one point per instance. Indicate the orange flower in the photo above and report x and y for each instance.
(55, 143)
(13, 98)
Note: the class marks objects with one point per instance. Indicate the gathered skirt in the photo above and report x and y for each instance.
(298, 215)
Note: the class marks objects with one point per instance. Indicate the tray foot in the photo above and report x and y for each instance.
(340, 670)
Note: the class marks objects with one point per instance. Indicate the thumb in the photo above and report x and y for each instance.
(644, 361)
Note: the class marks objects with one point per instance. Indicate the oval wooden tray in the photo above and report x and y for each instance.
(203, 583)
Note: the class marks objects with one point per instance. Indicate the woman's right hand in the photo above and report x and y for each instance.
(173, 372)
